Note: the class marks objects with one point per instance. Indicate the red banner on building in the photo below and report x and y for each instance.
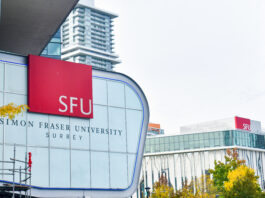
(59, 87)
(242, 123)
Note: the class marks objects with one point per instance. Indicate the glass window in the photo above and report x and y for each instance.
(172, 147)
(228, 138)
(152, 140)
(1, 76)
(206, 143)
(147, 142)
(40, 170)
(15, 79)
(176, 139)
(217, 142)
(186, 138)
(42, 137)
(181, 138)
(134, 128)
(132, 100)
(196, 136)
(117, 141)
(118, 170)
(147, 149)
(99, 91)
(99, 170)
(244, 139)
(186, 145)
(167, 147)
(56, 39)
(157, 148)
(211, 135)
(162, 147)
(80, 169)
(59, 174)
(100, 119)
(201, 143)
(171, 140)
(211, 142)
(206, 136)
(54, 49)
(221, 141)
(1, 125)
(176, 146)
(16, 127)
(45, 51)
(60, 138)
(152, 148)
(9, 153)
(190, 138)
(248, 140)
(116, 95)
(181, 144)
(217, 135)
(196, 144)
(131, 163)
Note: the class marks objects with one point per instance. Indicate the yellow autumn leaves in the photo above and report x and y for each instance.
(242, 182)
(11, 110)
(229, 179)
(236, 175)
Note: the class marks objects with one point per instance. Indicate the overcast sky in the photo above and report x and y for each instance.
(196, 60)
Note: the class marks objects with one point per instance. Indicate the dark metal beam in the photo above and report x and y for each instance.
(27, 26)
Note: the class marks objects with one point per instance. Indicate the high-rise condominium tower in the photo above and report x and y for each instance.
(87, 36)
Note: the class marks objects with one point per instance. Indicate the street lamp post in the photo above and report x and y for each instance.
(147, 191)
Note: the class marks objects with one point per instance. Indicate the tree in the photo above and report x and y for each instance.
(242, 182)
(200, 188)
(221, 170)
(161, 189)
(11, 110)
(204, 187)
(187, 191)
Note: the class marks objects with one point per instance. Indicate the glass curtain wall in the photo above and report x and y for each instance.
(204, 140)
(53, 49)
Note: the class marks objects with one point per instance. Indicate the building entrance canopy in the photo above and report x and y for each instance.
(27, 26)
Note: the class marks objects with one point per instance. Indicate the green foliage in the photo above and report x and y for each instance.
(230, 179)
(204, 187)
(187, 191)
(161, 189)
(242, 182)
(200, 188)
(221, 170)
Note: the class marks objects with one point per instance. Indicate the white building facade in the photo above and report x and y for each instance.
(188, 156)
(87, 36)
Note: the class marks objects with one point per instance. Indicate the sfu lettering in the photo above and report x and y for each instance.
(74, 105)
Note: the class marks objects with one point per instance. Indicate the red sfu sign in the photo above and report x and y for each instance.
(59, 87)
(242, 123)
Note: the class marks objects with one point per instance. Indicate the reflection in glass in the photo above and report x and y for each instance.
(1, 76)
(80, 169)
(60, 174)
(100, 170)
(40, 171)
(134, 121)
(118, 170)
(204, 140)
(116, 96)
